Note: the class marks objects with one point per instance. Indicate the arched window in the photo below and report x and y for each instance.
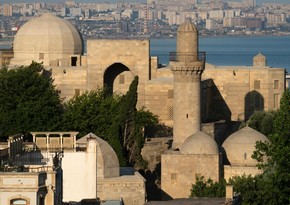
(18, 202)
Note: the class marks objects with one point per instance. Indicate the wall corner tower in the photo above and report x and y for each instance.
(187, 67)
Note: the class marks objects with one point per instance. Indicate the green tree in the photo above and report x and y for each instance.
(262, 121)
(208, 188)
(276, 170)
(28, 100)
(93, 111)
(113, 118)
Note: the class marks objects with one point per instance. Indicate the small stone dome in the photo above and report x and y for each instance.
(46, 39)
(187, 26)
(199, 143)
(240, 146)
(259, 60)
(107, 161)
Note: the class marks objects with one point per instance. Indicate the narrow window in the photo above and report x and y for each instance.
(256, 84)
(41, 56)
(74, 60)
(170, 112)
(170, 94)
(276, 84)
(173, 176)
(77, 92)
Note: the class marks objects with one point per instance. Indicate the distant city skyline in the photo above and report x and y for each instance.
(114, 1)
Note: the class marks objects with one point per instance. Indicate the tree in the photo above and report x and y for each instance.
(262, 121)
(28, 100)
(93, 111)
(113, 118)
(208, 188)
(277, 168)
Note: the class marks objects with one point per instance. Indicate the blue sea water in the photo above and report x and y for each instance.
(233, 50)
(236, 51)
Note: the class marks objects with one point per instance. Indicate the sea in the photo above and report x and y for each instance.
(226, 50)
(236, 51)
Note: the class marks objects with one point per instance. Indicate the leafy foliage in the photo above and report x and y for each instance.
(113, 118)
(271, 187)
(262, 121)
(208, 188)
(28, 101)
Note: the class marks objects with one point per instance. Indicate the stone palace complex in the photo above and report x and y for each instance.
(184, 94)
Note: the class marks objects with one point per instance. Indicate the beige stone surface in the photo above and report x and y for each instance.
(240, 146)
(242, 90)
(231, 171)
(179, 171)
(46, 39)
(130, 189)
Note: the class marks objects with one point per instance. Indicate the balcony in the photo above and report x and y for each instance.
(187, 57)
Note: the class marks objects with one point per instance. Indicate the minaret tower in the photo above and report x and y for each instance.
(187, 66)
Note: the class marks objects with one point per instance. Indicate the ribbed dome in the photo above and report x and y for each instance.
(107, 160)
(199, 143)
(187, 42)
(46, 39)
(187, 26)
(240, 146)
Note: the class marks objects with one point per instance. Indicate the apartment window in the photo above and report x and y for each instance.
(276, 100)
(121, 79)
(276, 84)
(41, 56)
(170, 94)
(170, 112)
(256, 84)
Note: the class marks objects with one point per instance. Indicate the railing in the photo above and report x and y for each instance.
(187, 56)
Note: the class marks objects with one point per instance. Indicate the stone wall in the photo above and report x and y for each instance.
(130, 189)
(240, 90)
(230, 171)
(152, 150)
(179, 172)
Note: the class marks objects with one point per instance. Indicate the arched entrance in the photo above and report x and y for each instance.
(117, 78)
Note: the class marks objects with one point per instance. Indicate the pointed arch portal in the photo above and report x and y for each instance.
(111, 73)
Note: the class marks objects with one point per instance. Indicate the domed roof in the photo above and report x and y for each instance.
(45, 39)
(199, 143)
(259, 60)
(240, 146)
(107, 160)
(187, 26)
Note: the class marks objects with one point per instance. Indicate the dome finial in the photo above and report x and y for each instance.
(188, 19)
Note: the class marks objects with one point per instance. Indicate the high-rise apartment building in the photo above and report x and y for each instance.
(7, 10)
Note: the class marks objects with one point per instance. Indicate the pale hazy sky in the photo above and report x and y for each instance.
(111, 1)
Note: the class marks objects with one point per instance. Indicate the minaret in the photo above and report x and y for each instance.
(187, 66)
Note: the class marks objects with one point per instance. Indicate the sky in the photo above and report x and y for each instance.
(113, 1)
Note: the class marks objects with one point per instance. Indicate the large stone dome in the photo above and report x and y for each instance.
(46, 39)
(240, 146)
(199, 143)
